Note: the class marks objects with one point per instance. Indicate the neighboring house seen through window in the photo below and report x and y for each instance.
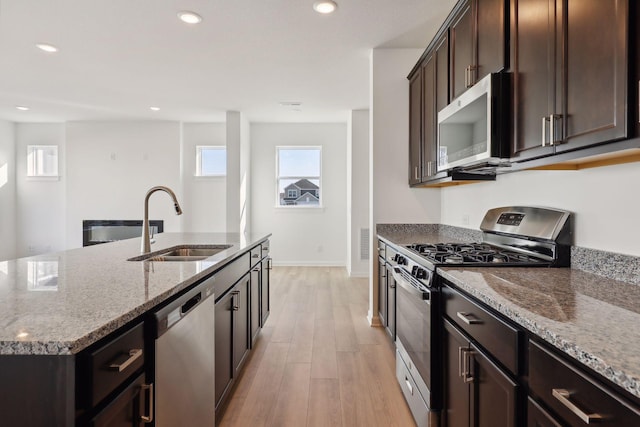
(298, 176)
(211, 160)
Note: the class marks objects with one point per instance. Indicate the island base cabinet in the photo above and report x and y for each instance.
(265, 284)
(223, 321)
(255, 303)
(126, 410)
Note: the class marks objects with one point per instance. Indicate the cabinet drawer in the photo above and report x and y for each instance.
(572, 395)
(112, 364)
(497, 337)
(230, 274)
(256, 255)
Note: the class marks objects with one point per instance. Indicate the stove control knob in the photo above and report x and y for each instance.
(421, 273)
(401, 260)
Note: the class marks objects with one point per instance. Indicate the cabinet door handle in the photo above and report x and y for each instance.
(256, 269)
(563, 396)
(134, 354)
(460, 353)
(147, 389)
(466, 77)
(255, 256)
(544, 131)
(466, 365)
(468, 320)
(415, 173)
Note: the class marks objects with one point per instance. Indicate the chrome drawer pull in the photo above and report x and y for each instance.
(563, 397)
(134, 354)
(468, 320)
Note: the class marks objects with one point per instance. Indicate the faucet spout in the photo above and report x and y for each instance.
(146, 241)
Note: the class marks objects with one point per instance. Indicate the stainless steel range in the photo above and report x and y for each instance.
(512, 236)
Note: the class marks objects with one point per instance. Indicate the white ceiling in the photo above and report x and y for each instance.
(119, 57)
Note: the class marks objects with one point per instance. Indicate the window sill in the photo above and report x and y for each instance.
(43, 178)
(299, 208)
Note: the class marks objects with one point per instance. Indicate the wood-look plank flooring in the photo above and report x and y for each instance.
(317, 362)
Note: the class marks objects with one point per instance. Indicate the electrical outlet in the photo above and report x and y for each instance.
(465, 219)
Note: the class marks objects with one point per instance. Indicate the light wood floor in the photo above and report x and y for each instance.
(317, 362)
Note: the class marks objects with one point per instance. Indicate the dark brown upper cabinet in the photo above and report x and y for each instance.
(478, 36)
(570, 60)
(415, 127)
(428, 94)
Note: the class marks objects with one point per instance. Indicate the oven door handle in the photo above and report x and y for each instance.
(423, 295)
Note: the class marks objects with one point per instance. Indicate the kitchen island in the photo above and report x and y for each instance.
(59, 309)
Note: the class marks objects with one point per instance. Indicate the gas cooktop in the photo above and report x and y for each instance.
(472, 253)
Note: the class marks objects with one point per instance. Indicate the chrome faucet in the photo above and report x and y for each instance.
(146, 241)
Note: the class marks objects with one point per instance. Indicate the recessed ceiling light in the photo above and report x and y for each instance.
(47, 47)
(325, 6)
(290, 104)
(22, 335)
(154, 108)
(22, 108)
(189, 17)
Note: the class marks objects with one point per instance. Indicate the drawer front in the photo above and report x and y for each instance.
(419, 408)
(497, 337)
(116, 361)
(577, 399)
(256, 255)
(230, 274)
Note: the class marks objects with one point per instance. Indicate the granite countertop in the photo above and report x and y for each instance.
(588, 317)
(60, 303)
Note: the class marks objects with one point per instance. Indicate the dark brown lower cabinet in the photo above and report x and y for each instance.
(391, 304)
(382, 291)
(538, 417)
(224, 340)
(241, 336)
(478, 393)
(255, 302)
(126, 409)
(265, 302)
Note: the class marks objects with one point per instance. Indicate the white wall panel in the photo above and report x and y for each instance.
(301, 236)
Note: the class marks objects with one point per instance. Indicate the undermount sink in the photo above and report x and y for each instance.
(182, 253)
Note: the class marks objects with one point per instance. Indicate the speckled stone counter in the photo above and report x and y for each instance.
(406, 234)
(62, 302)
(592, 319)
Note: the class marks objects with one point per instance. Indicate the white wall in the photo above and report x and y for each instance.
(357, 191)
(110, 167)
(392, 200)
(234, 145)
(301, 236)
(40, 212)
(7, 191)
(204, 198)
(604, 201)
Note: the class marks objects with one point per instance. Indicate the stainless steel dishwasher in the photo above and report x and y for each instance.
(185, 368)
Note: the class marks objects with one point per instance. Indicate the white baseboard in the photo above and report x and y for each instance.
(359, 274)
(309, 264)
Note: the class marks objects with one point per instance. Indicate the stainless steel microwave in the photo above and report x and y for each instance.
(474, 128)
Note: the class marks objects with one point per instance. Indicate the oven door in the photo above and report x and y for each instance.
(414, 322)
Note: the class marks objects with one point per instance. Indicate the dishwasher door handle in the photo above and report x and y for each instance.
(192, 302)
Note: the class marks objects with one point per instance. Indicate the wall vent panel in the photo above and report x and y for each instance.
(365, 245)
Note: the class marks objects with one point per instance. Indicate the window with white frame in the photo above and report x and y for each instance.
(211, 160)
(298, 176)
(42, 160)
